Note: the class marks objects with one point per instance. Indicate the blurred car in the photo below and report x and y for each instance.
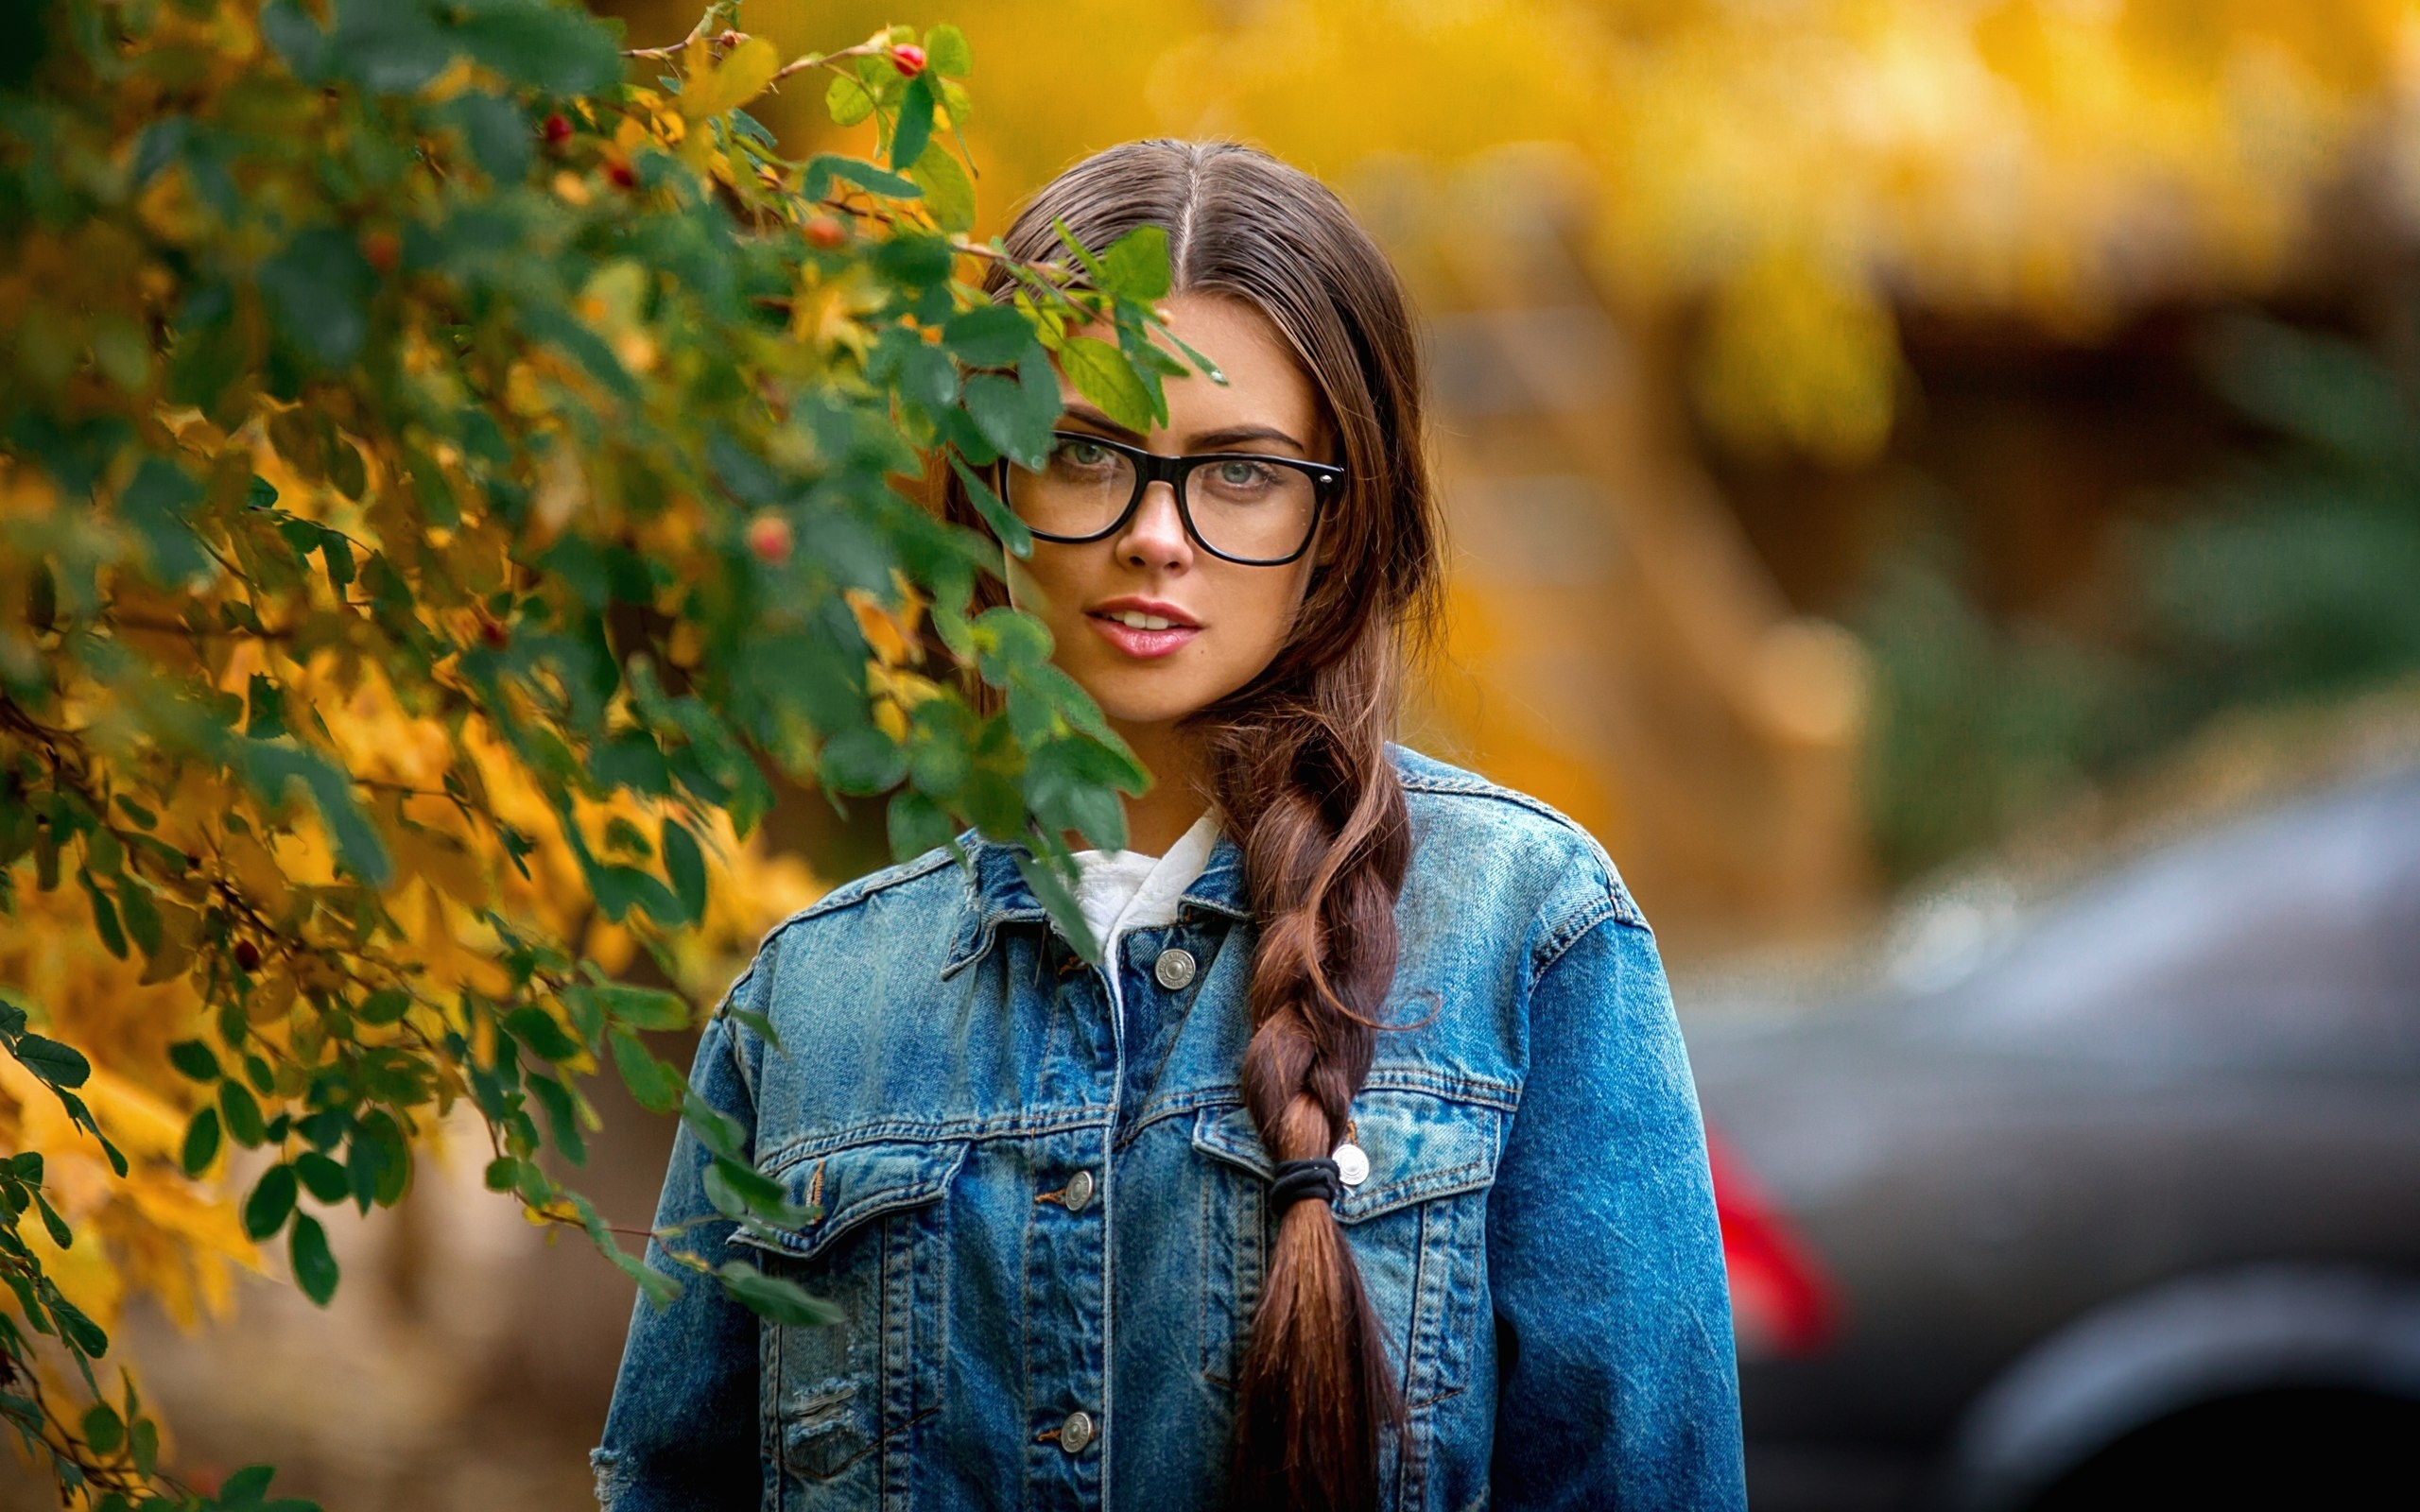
(2112, 1200)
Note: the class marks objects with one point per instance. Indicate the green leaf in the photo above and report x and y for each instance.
(1136, 264)
(555, 48)
(59, 1233)
(537, 1028)
(202, 1142)
(318, 294)
(662, 1290)
(1054, 896)
(392, 49)
(915, 124)
(619, 888)
(103, 1429)
(58, 1064)
(770, 1296)
(949, 193)
(315, 1269)
(685, 864)
(272, 1202)
(337, 552)
(946, 52)
(498, 133)
(271, 766)
(74, 1326)
(657, 1086)
(242, 1113)
(987, 335)
(141, 915)
(1103, 375)
(194, 1060)
(157, 503)
(848, 100)
(561, 1116)
(323, 1177)
(997, 406)
(1082, 254)
(104, 913)
(825, 166)
(761, 1024)
(863, 760)
(639, 1007)
(376, 1162)
(1003, 522)
(385, 1005)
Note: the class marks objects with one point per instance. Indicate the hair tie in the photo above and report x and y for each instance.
(1297, 1179)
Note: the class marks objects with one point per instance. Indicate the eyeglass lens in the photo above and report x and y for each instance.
(1241, 507)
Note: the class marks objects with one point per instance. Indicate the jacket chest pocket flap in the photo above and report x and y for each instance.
(1420, 1146)
(1421, 1258)
(837, 1394)
(854, 1184)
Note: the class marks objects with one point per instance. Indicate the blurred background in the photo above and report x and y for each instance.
(1933, 487)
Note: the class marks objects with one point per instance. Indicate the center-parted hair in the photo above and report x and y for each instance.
(1297, 766)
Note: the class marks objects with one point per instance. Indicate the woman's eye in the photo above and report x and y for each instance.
(1240, 475)
(1083, 455)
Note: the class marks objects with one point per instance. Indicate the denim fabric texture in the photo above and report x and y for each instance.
(1031, 1211)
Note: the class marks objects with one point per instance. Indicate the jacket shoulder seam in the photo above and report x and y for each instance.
(848, 895)
(1616, 901)
(1575, 926)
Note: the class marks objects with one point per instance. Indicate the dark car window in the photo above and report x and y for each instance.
(2291, 937)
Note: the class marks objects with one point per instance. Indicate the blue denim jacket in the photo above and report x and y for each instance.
(1047, 1230)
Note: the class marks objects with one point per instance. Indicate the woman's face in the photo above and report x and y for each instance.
(1226, 621)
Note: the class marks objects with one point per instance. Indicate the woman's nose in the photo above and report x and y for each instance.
(1155, 536)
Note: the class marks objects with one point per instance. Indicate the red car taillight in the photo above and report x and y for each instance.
(1781, 1301)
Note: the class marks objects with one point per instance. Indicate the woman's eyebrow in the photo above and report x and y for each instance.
(1100, 421)
(1208, 442)
(1216, 441)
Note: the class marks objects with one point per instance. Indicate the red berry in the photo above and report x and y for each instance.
(558, 130)
(620, 173)
(909, 59)
(381, 248)
(247, 955)
(826, 231)
(492, 633)
(770, 538)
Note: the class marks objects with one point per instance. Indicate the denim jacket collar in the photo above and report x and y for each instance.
(999, 894)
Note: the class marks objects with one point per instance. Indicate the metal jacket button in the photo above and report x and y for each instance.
(1079, 1191)
(1352, 1165)
(1076, 1433)
(1173, 970)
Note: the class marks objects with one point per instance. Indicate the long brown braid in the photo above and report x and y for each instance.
(1298, 765)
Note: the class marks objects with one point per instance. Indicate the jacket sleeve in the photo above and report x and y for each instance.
(680, 1433)
(1618, 1383)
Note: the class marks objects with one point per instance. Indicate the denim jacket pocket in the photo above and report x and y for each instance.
(840, 1397)
(1416, 1225)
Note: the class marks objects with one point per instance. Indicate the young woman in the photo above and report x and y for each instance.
(1368, 1173)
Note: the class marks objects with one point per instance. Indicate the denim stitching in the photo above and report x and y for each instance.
(969, 1131)
(1403, 1191)
(1566, 934)
(1474, 786)
(1502, 1096)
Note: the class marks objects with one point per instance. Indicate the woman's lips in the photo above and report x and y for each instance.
(1140, 642)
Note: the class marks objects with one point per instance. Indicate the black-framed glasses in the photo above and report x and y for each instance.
(1239, 505)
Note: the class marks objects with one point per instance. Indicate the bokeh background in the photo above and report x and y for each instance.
(1886, 442)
